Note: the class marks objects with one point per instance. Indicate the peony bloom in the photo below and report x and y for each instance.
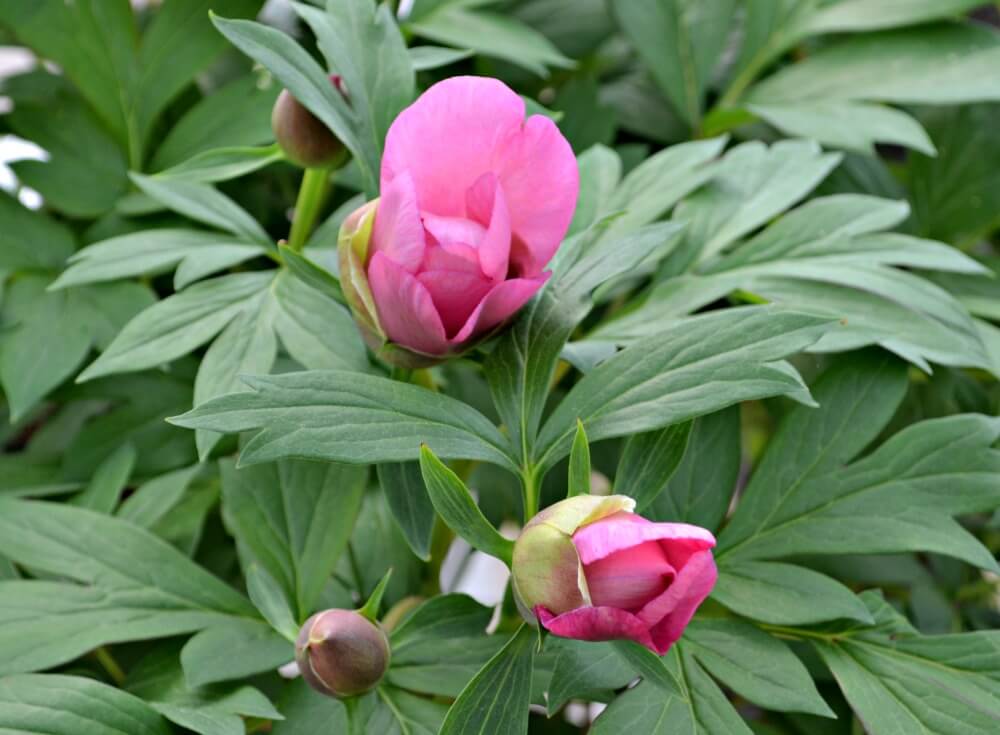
(474, 202)
(588, 568)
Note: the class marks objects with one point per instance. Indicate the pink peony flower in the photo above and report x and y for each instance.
(588, 568)
(474, 202)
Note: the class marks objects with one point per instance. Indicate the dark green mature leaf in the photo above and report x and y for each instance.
(268, 597)
(755, 665)
(180, 323)
(521, 367)
(203, 203)
(695, 367)
(702, 487)
(680, 42)
(496, 701)
(657, 671)
(310, 85)
(648, 462)
(150, 252)
(585, 670)
(29, 240)
(490, 34)
(456, 506)
(785, 594)
(441, 645)
(406, 494)
(293, 518)
(344, 416)
(111, 555)
(154, 499)
(900, 683)
(51, 333)
(50, 704)
(234, 650)
(803, 500)
(424, 58)
(223, 164)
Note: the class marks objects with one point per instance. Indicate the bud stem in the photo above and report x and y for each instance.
(313, 191)
(529, 481)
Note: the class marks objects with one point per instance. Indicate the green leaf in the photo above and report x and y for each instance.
(314, 329)
(236, 114)
(203, 203)
(363, 44)
(425, 58)
(680, 43)
(696, 367)
(311, 273)
(180, 323)
(234, 650)
(223, 164)
(803, 500)
(247, 346)
(785, 594)
(600, 174)
(703, 709)
(110, 479)
(851, 125)
(585, 670)
(303, 77)
(490, 34)
(579, 463)
(755, 665)
(898, 682)
(406, 495)
(150, 252)
(496, 700)
(648, 462)
(943, 64)
(268, 597)
(51, 704)
(154, 499)
(294, 519)
(701, 489)
(653, 669)
(51, 333)
(456, 506)
(30, 240)
(857, 15)
(349, 417)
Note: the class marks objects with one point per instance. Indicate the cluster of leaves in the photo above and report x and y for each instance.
(791, 342)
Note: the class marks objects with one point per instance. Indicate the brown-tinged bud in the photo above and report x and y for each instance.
(303, 137)
(341, 653)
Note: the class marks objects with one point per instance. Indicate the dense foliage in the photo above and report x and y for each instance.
(775, 315)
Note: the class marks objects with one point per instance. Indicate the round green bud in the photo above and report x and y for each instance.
(303, 137)
(341, 653)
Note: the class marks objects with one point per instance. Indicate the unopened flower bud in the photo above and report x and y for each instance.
(305, 140)
(341, 653)
(591, 569)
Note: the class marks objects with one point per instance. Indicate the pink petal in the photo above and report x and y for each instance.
(455, 294)
(541, 182)
(669, 614)
(596, 624)
(405, 309)
(451, 256)
(498, 305)
(448, 138)
(486, 203)
(623, 530)
(398, 231)
(630, 578)
(454, 230)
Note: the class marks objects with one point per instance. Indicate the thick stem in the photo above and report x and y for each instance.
(312, 195)
(353, 718)
(529, 484)
(104, 657)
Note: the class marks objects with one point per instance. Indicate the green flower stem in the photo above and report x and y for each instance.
(530, 488)
(104, 657)
(316, 185)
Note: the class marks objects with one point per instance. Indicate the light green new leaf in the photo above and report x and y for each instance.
(293, 518)
(342, 416)
(223, 164)
(456, 506)
(180, 323)
(52, 704)
(697, 366)
(496, 700)
(579, 463)
(425, 58)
